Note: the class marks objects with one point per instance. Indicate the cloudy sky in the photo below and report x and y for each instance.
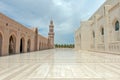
(66, 15)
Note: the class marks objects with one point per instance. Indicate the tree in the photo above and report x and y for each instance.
(64, 45)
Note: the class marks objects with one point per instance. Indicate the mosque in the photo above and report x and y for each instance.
(101, 33)
(16, 38)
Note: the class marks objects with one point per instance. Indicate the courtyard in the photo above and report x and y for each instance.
(60, 64)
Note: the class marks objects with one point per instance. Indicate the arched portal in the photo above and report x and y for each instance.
(22, 45)
(12, 44)
(28, 45)
(1, 39)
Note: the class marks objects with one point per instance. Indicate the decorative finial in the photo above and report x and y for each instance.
(51, 22)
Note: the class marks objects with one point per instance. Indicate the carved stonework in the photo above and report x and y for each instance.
(22, 35)
(114, 7)
(109, 33)
(12, 31)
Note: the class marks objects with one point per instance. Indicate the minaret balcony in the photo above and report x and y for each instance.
(51, 34)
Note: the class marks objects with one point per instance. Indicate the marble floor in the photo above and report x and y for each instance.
(60, 64)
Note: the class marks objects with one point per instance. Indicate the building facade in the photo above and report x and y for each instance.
(102, 31)
(16, 38)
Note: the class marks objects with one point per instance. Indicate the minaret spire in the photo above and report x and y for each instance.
(51, 34)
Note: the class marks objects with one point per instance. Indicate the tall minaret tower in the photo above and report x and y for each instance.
(51, 35)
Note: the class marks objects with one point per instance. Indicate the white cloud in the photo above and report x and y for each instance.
(37, 13)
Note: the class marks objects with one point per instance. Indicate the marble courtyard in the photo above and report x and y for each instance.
(60, 64)
(25, 54)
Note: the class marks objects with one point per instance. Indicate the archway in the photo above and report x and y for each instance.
(22, 44)
(1, 39)
(28, 45)
(12, 44)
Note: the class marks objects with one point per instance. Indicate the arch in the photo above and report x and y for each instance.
(22, 45)
(12, 44)
(28, 45)
(102, 32)
(117, 26)
(1, 43)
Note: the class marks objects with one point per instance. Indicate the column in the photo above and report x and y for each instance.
(107, 28)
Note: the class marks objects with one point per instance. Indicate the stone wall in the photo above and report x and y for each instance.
(15, 38)
(100, 33)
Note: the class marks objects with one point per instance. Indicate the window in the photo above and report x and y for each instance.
(117, 26)
(6, 24)
(102, 32)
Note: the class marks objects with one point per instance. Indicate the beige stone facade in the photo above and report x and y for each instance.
(102, 31)
(16, 38)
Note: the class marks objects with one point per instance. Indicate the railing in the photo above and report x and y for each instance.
(101, 47)
(115, 46)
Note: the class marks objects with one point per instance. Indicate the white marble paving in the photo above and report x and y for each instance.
(60, 64)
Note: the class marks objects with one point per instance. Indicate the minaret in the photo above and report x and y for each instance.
(36, 39)
(51, 35)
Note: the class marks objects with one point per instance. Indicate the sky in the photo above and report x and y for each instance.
(66, 14)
